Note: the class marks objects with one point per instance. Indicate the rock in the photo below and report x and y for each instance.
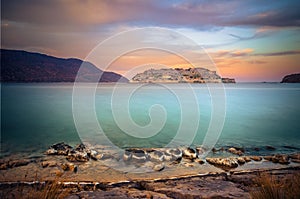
(256, 149)
(241, 160)
(290, 147)
(74, 156)
(127, 155)
(247, 158)
(256, 158)
(295, 160)
(270, 148)
(159, 167)
(235, 151)
(188, 164)
(14, 163)
(281, 159)
(94, 154)
(81, 148)
(227, 162)
(295, 157)
(69, 167)
(18, 163)
(200, 150)
(59, 149)
(189, 153)
(4, 166)
(138, 155)
(200, 161)
(269, 158)
(214, 150)
(51, 151)
(173, 155)
(48, 164)
(156, 156)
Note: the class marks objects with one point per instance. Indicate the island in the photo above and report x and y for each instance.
(292, 78)
(180, 75)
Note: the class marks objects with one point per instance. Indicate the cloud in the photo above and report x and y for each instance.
(282, 53)
(196, 14)
(234, 53)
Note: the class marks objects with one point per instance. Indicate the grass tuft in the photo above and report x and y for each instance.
(274, 187)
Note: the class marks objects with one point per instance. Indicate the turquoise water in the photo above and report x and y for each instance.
(34, 116)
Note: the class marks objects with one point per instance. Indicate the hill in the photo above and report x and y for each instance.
(293, 78)
(180, 75)
(22, 66)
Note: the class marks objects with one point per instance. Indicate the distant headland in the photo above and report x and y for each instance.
(23, 66)
(292, 78)
(180, 75)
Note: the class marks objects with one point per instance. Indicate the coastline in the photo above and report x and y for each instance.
(235, 184)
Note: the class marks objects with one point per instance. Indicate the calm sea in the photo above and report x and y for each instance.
(34, 116)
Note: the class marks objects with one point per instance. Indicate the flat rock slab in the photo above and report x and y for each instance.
(208, 187)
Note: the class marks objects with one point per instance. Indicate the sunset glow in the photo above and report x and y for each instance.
(247, 40)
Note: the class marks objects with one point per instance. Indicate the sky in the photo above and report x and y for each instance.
(249, 40)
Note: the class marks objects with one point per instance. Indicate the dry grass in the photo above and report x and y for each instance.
(274, 187)
(52, 189)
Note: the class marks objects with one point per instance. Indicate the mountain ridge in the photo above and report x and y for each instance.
(24, 66)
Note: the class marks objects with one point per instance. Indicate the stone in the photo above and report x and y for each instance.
(187, 164)
(173, 154)
(200, 150)
(214, 150)
(77, 156)
(156, 155)
(200, 161)
(270, 148)
(189, 153)
(81, 148)
(48, 164)
(295, 160)
(69, 167)
(94, 154)
(281, 159)
(256, 158)
(59, 149)
(226, 162)
(268, 158)
(137, 155)
(159, 167)
(18, 163)
(241, 160)
(4, 166)
(247, 158)
(235, 151)
(295, 156)
(127, 155)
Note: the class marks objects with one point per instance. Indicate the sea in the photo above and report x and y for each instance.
(253, 116)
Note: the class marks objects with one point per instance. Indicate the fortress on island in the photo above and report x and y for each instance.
(180, 75)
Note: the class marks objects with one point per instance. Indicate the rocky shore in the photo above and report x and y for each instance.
(145, 172)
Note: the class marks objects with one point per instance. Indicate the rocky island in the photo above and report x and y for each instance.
(293, 78)
(180, 75)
